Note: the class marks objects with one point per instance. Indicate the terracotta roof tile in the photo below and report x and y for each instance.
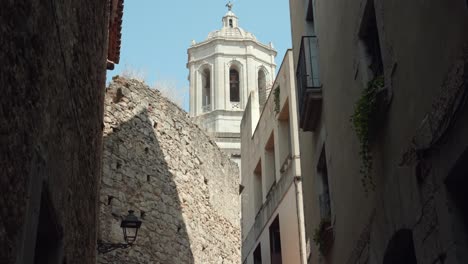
(115, 30)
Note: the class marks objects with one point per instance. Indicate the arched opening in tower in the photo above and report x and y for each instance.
(206, 87)
(261, 88)
(234, 85)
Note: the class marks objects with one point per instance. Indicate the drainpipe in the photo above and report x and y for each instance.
(300, 217)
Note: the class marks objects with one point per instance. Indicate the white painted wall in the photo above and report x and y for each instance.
(255, 133)
(289, 233)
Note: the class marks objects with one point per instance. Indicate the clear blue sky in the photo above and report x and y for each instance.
(156, 34)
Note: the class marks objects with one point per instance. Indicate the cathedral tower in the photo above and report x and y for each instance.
(224, 70)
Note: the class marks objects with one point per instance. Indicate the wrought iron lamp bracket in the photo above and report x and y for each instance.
(104, 247)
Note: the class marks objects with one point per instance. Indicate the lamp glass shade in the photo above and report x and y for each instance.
(130, 226)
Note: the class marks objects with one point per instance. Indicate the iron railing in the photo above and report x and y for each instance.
(307, 74)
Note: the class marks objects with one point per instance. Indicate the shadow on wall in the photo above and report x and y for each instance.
(136, 176)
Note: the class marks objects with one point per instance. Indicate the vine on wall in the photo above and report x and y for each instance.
(323, 236)
(277, 99)
(362, 119)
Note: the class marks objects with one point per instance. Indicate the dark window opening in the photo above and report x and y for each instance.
(234, 85)
(148, 178)
(258, 187)
(400, 248)
(275, 242)
(230, 23)
(206, 87)
(49, 234)
(324, 196)
(257, 255)
(457, 186)
(109, 199)
(369, 35)
(310, 12)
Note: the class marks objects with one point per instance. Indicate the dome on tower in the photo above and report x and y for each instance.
(236, 33)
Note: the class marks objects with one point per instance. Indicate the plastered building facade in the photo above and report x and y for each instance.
(410, 208)
(272, 217)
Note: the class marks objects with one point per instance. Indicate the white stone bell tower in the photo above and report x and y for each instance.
(223, 70)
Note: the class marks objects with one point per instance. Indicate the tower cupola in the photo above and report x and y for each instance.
(230, 19)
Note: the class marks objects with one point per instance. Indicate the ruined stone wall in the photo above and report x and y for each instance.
(163, 166)
(52, 81)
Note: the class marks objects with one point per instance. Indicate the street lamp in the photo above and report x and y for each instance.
(130, 225)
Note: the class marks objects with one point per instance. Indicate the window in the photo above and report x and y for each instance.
(457, 184)
(370, 44)
(261, 88)
(284, 132)
(230, 23)
(310, 11)
(324, 193)
(234, 85)
(206, 87)
(270, 166)
(257, 255)
(400, 248)
(48, 238)
(275, 242)
(258, 185)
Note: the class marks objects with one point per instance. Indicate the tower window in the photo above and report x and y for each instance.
(234, 85)
(206, 87)
(261, 88)
(230, 23)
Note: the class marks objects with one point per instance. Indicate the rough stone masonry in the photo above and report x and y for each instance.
(52, 81)
(165, 168)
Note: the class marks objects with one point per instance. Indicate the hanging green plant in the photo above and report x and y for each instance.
(323, 236)
(277, 99)
(361, 119)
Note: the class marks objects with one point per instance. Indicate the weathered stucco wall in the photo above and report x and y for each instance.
(158, 162)
(52, 81)
(422, 60)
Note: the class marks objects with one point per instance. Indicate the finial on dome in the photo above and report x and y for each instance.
(229, 5)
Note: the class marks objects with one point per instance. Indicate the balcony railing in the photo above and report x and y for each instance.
(309, 88)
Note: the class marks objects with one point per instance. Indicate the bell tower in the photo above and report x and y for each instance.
(223, 70)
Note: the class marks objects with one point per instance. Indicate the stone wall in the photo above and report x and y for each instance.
(160, 164)
(52, 81)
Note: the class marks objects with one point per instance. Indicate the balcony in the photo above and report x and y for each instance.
(309, 88)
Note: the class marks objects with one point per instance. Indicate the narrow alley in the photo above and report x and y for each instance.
(234, 132)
